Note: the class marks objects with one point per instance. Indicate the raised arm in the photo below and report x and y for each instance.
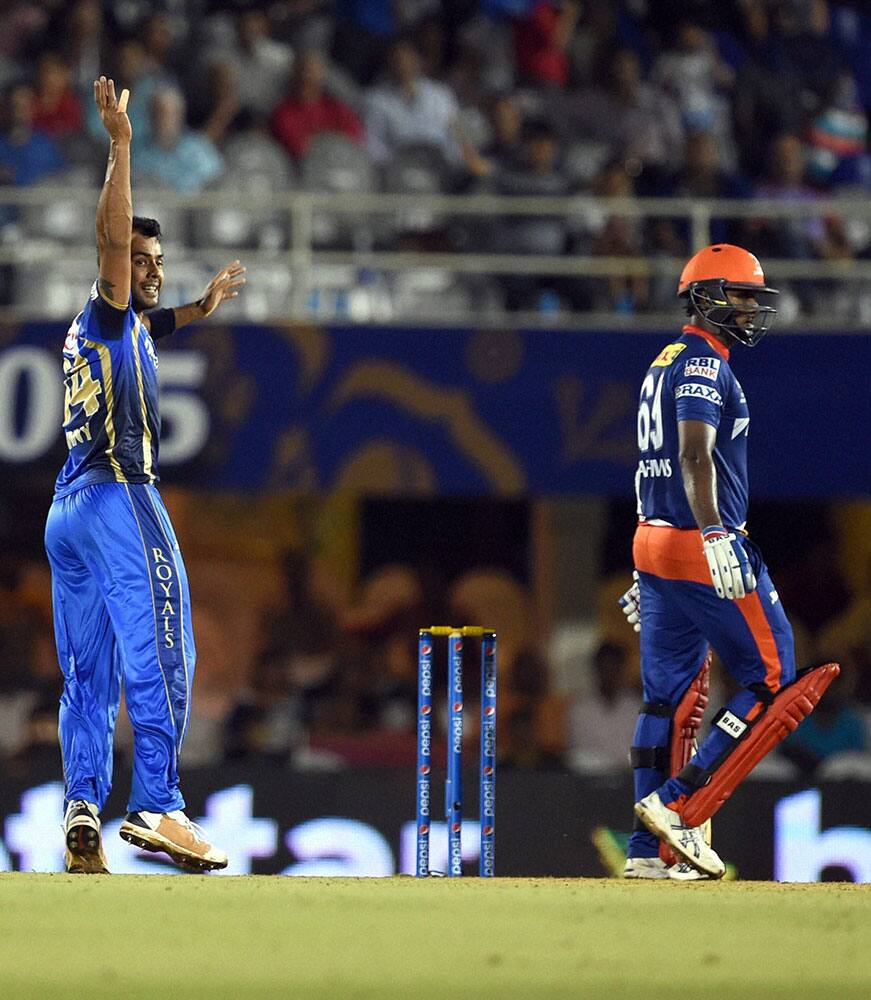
(115, 207)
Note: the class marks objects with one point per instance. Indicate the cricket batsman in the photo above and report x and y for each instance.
(119, 588)
(700, 580)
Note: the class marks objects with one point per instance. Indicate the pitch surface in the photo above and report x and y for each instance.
(205, 936)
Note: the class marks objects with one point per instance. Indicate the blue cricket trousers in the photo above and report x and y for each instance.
(681, 616)
(121, 615)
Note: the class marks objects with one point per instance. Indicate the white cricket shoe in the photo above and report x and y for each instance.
(84, 843)
(175, 835)
(688, 841)
(682, 872)
(645, 868)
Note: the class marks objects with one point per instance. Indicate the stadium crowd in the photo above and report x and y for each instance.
(725, 99)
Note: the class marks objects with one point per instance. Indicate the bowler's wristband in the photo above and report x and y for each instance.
(162, 322)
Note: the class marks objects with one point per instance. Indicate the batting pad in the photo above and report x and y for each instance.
(685, 727)
(790, 706)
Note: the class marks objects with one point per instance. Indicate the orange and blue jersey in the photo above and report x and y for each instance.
(681, 615)
(111, 404)
(690, 379)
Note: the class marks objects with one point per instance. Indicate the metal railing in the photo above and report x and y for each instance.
(303, 257)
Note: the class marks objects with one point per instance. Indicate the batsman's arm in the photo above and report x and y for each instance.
(731, 573)
(114, 222)
(696, 441)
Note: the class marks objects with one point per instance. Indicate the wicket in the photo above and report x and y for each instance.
(454, 775)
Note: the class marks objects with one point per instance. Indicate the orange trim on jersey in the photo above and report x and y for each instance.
(754, 614)
(712, 341)
(671, 553)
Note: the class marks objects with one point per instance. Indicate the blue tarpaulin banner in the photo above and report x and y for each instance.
(447, 411)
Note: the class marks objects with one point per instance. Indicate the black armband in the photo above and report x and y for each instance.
(162, 322)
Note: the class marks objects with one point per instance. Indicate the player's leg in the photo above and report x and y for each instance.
(149, 601)
(671, 563)
(673, 658)
(124, 557)
(92, 689)
(754, 640)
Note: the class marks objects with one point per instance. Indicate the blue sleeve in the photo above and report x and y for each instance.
(103, 320)
(701, 384)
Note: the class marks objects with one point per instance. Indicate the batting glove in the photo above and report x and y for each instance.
(630, 603)
(731, 572)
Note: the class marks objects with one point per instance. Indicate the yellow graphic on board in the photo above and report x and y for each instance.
(439, 405)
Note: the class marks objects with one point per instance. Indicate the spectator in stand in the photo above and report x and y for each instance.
(58, 110)
(299, 638)
(636, 119)
(541, 40)
(363, 32)
(380, 649)
(23, 23)
(304, 24)
(409, 108)
(81, 28)
(27, 153)
(851, 31)
(308, 110)
(596, 34)
(701, 176)
(804, 238)
(536, 173)
(163, 44)
(263, 726)
(838, 133)
(693, 74)
(803, 46)
(260, 65)
(602, 722)
(618, 236)
(785, 181)
(134, 70)
(504, 152)
(431, 42)
(791, 65)
(177, 157)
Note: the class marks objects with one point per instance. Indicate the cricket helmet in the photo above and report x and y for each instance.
(711, 274)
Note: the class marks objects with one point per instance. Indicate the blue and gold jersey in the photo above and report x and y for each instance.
(111, 406)
(691, 379)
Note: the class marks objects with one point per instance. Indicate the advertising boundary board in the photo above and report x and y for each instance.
(405, 411)
(550, 823)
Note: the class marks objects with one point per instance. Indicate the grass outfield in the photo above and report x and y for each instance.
(128, 936)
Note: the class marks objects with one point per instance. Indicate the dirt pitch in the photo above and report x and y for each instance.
(129, 937)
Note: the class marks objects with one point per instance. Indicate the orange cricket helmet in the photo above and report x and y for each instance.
(708, 277)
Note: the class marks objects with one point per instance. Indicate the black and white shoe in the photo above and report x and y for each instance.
(175, 835)
(84, 843)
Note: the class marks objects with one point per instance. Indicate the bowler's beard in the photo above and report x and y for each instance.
(140, 306)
